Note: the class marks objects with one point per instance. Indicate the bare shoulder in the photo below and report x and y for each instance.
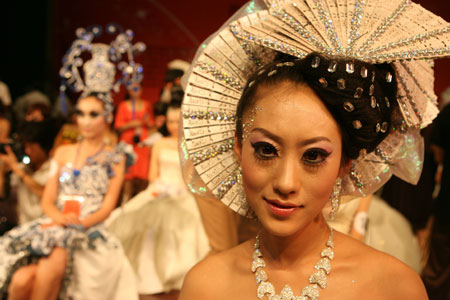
(219, 271)
(65, 153)
(379, 272)
(159, 143)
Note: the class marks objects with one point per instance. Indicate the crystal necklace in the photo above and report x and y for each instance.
(310, 292)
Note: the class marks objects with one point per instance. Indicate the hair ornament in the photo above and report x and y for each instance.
(98, 74)
(374, 32)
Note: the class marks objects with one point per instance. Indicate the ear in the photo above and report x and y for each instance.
(237, 149)
(345, 167)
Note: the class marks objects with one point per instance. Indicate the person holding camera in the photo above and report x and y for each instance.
(134, 119)
(28, 180)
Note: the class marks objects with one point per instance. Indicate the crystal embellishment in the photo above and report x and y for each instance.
(332, 67)
(386, 99)
(364, 72)
(341, 84)
(265, 287)
(373, 102)
(316, 280)
(315, 62)
(323, 82)
(371, 89)
(384, 127)
(350, 67)
(388, 77)
(311, 291)
(324, 264)
(358, 92)
(348, 106)
(357, 124)
(319, 278)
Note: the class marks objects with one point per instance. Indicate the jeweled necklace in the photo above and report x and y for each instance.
(310, 292)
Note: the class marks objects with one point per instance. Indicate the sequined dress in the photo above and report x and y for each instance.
(161, 229)
(89, 272)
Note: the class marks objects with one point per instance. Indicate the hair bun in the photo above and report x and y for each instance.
(361, 97)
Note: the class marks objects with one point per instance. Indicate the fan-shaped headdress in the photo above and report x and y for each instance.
(398, 32)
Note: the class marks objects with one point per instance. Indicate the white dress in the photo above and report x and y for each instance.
(387, 231)
(161, 229)
(97, 268)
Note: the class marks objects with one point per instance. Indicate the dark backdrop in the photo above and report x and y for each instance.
(38, 32)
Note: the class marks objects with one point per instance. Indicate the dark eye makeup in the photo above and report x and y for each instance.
(264, 150)
(92, 114)
(315, 156)
(311, 157)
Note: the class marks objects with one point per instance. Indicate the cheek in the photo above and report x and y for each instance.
(318, 187)
(255, 178)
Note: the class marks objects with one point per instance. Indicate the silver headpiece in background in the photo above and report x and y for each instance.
(99, 72)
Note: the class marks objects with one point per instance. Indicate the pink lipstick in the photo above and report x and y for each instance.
(280, 208)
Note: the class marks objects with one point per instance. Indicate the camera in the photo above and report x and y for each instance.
(17, 148)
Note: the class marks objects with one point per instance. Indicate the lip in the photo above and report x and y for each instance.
(281, 208)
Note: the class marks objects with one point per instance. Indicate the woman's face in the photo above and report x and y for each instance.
(172, 120)
(90, 117)
(135, 91)
(291, 157)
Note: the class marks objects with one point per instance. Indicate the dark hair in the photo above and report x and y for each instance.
(174, 104)
(172, 74)
(360, 96)
(42, 133)
(160, 108)
(43, 107)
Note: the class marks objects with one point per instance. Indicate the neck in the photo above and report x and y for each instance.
(288, 250)
(93, 142)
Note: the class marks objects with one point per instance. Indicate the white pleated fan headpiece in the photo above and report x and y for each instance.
(399, 32)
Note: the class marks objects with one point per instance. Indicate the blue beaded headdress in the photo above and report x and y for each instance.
(99, 72)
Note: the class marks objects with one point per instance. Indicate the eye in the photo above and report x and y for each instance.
(94, 114)
(78, 113)
(315, 156)
(264, 150)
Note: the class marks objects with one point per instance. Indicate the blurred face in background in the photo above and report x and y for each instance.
(35, 152)
(135, 91)
(35, 115)
(172, 120)
(90, 117)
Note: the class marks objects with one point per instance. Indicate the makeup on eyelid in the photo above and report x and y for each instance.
(92, 114)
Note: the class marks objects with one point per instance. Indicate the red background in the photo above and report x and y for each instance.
(38, 32)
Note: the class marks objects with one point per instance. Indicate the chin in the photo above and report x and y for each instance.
(284, 227)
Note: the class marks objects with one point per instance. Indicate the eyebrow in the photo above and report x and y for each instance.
(302, 143)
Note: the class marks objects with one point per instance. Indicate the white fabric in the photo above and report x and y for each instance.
(103, 274)
(388, 231)
(161, 230)
(29, 204)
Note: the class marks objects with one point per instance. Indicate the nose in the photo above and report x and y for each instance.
(287, 178)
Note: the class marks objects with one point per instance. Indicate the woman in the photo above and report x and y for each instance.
(288, 176)
(134, 119)
(294, 87)
(160, 228)
(54, 256)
